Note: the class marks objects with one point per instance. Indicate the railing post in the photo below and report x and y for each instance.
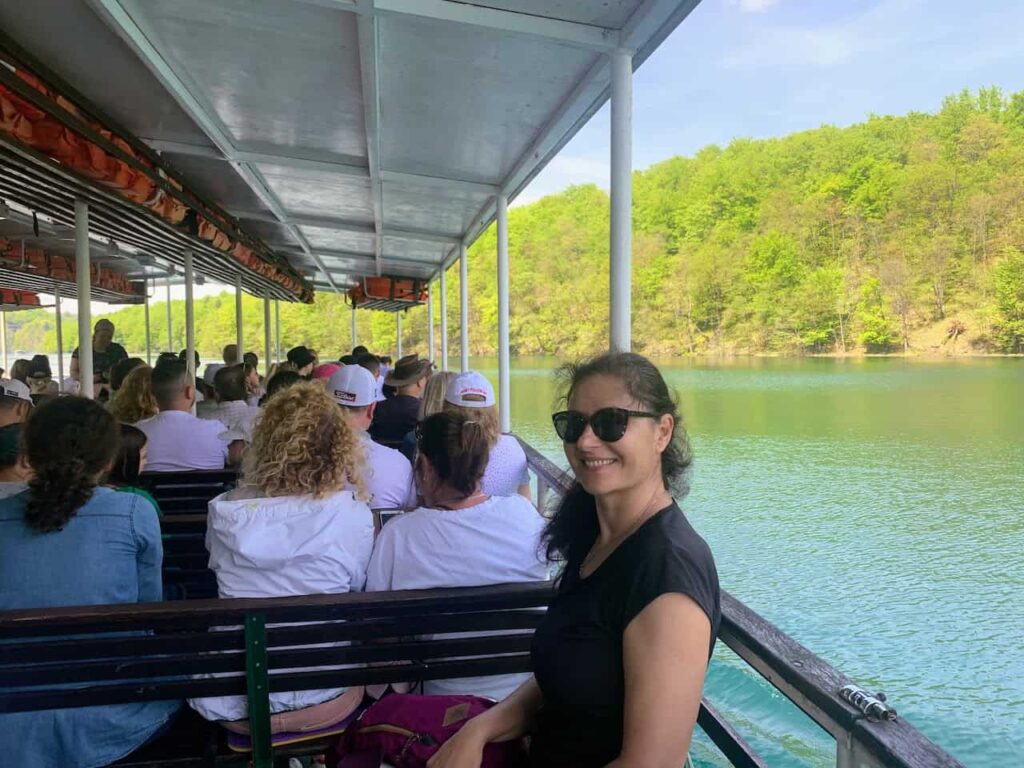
(145, 294)
(621, 200)
(83, 277)
(60, 340)
(463, 307)
(3, 343)
(190, 328)
(238, 317)
(444, 321)
(277, 330)
(504, 395)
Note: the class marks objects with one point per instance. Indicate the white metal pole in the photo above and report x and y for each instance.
(504, 381)
(190, 329)
(463, 307)
(430, 323)
(277, 330)
(620, 279)
(352, 320)
(149, 347)
(266, 332)
(170, 337)
(84, 297)
(444, 321)
(60, 339)
(238, 317)
(398, 332)
(3, 343)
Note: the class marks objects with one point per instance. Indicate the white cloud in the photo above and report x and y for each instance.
(755, 6)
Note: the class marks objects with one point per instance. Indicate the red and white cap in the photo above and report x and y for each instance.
(470, 390)
(353, 386)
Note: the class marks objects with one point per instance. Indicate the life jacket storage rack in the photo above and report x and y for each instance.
(389, 294)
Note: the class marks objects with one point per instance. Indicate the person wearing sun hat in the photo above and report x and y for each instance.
(472, 396)
(389, 476)
(399, 414)
(303, 360)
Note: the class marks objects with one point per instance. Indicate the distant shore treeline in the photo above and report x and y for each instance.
(899, 233)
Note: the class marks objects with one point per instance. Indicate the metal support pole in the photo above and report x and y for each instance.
(190, 328)
(266, 332)
(170, 337)
(353, 321)
(620, 309)
(444, 321)
(277, 330)
(60, 339)
(430, 323)
(149, 347)
(398, 332)
(3, 343)
(464, 307)
(82, 276)
(504, 381)
(238, 317)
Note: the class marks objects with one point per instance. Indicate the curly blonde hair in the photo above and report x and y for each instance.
(487, 418)
(302, 445)
(134, 401)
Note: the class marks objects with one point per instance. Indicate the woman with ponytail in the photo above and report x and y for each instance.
(69, 541)
(460, 537)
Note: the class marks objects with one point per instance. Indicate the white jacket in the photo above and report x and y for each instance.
(287, 545)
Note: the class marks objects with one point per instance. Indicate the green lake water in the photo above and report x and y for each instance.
(873, 510)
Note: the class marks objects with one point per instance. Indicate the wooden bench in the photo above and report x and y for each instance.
(243, 640)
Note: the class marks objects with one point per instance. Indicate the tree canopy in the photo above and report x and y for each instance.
(888, 235)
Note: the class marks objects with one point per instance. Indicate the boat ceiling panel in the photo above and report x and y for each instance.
(275, 235)
(416, 250)
(601, 13)
(340, 240)
(470, 101)
(421, 208)
(281, 75)
(216, 180)
(305, 192)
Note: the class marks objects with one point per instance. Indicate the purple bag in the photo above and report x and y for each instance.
(405, 730)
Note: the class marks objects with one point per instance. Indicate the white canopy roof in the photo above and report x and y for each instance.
(359, 137)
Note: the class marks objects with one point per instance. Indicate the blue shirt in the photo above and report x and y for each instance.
(109, 552)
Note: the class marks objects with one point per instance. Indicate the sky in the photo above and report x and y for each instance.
(763, 68)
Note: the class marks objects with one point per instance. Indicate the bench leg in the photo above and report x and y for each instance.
(258, 686)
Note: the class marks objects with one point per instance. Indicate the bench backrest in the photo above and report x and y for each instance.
(148, 652)
(187, 493)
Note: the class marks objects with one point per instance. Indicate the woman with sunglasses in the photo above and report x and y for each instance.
(619, 658)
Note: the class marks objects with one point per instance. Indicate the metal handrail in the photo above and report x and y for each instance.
(863, 739)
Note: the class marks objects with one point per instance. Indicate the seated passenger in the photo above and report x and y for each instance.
(399, 414)
(282, 379)
(461, 537)
(292, 528)
(15, 401)
(178, 440)
(471, 395)
(120, 370)
(253, 382)
(389, 473)
(67, 541)
(130, 463)
(432, 402)
(232, 408)
(230, 356)
(303, 360)
(372, 364)
(14, 469)
(134, 400)
(40, 377)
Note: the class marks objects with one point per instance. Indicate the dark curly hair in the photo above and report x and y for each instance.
(573, 527)
(69, 442)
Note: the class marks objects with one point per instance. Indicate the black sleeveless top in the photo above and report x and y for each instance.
(577, 649)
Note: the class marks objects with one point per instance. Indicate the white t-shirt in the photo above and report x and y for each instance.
(388, 477)
(237, 415)
(506, 468)
(496, 542)
(178, 441)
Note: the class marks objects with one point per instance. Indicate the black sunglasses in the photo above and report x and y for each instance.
(609, 424)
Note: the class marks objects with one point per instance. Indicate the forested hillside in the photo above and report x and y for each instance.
(897, 234)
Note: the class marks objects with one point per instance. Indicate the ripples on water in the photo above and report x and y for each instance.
(873, 510)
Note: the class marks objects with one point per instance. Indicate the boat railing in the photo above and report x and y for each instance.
(867, 730)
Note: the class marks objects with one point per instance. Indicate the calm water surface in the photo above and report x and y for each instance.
(873, 510)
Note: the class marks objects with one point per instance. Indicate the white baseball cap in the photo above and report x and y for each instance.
(470, 390)
(353, 386)
(16, 389)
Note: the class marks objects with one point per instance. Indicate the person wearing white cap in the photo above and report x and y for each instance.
(15, 402)
(471, 395)
(389, 474)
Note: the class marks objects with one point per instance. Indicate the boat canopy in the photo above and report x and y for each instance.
(354, 137)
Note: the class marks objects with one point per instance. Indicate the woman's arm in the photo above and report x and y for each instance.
(665, 655)
(505, 721)
(525, 492)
